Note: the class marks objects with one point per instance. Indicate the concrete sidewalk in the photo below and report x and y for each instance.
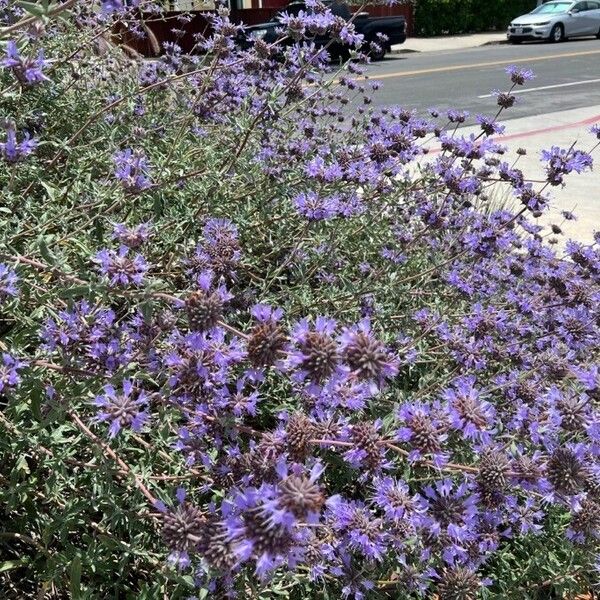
(582, 192)
(449, 42)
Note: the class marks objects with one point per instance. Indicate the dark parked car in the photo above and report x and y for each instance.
(393, 28)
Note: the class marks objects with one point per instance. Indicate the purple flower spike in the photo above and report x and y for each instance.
(9, 372)
(133, 237)
(366, 356)
(8, 282)
(519, 76)
(127, 408)
(561, 162)
(131, 169)
(13, 151)
(314, 207)
(28, 71)
(120, 268)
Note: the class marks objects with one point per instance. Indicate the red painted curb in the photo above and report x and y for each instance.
(590, 121)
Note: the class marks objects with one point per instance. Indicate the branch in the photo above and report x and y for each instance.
(29, 20)
(108, 450)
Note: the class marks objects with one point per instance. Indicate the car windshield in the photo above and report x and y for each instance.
(552, 7)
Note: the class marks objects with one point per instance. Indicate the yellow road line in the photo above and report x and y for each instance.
(477, 65)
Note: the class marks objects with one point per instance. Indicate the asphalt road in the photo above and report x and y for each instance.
(461, 79)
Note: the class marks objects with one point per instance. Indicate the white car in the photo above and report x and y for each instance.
(556, 21)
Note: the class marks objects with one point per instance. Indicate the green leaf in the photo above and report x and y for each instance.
(147, 309)
(37, 396)
(45, 252)
(51, 191)
(8, 565)
(76, 578)
(33, 8)
(76, 291)
(22, 465)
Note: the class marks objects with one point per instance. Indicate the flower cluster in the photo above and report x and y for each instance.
(9, 372)
(8, 282)
(132, 237)
(120, 267)
(561, 162)
(132, 170)
(124, 409)
(27, 70)
(12, 150)
(219, 250)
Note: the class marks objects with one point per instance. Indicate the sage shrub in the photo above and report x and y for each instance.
(259, 338)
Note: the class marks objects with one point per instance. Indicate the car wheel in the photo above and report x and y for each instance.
(557, 34)
(515, 41)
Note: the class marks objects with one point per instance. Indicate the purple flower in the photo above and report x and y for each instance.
(590, 378)
(120, 268)
(220, 231)
(218, 252)
(525, 516)
(424, 428)
(457, 116)
(595, 130)
(504, 99)
(263, 522)
(451, 509)
(265, 313)
(470, 415)
(519, 76)
(367, 357)
(133, 237)
(185, 529)
(314, 354)
(489, 125)
(585, 522)
(394, 255)
(13, 151)
(562, 162)
(314, 207)
(200, 360)
(357, 527)
(9, 372)
(132, 170)
(8, 282)
(125, 408)
(397, 502)
(367, 453)
(88, 336)
(28, 71)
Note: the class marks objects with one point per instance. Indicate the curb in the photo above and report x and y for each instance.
(412, 51)
(404, 51)
(494, 43)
